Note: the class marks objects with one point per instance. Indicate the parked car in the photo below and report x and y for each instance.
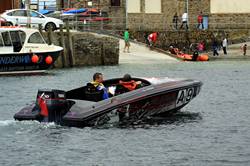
(2, 21)
(25, 16)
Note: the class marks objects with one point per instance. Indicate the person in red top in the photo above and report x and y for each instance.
(200, 21)
(128, 83)
(152, 38)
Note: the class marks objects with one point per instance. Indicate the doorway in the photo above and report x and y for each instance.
(205, 21)
(5, 5)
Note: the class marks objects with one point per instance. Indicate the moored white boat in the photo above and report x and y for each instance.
(24, 49)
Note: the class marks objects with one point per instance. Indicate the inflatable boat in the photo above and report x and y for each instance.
(188, 57)
(81, 107)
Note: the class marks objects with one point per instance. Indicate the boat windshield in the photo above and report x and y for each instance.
(1, 41)
(36, 38)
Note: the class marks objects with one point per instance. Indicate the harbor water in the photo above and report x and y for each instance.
(212, 130)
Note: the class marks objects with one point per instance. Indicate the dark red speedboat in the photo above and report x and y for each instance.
(80, 107)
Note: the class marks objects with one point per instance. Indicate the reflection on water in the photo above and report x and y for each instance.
(178, 118)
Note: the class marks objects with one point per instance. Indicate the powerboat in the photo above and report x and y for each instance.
(25, 50)
(81, 107)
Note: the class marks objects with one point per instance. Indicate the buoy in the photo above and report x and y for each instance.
(203, 57)
(34, 58)
(49, 60)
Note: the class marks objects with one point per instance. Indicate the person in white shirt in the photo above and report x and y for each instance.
(224, 45)
(184, 20)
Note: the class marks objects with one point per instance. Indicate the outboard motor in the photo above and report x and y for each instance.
(53, 105)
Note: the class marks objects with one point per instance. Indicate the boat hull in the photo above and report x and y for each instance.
(23, 61)
(134, 109)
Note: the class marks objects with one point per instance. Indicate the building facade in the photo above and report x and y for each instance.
(9, 4)
(158, 14)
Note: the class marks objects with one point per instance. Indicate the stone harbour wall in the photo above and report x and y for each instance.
(183, 39)
(85, 49)
(93, 49)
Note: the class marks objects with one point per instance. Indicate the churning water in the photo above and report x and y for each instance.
(213, 129)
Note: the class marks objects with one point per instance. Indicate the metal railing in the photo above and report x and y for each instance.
(92, 23)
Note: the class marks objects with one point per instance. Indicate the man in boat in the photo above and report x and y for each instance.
(128, 83)
(97, 84)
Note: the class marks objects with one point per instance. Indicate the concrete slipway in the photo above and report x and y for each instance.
(140, 54)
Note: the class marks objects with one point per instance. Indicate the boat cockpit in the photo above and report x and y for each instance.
(86, 92)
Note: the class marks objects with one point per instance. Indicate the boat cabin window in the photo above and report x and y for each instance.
(1, 41)
(14, 39)
(22, 36)
(36, 38)
(18, 38)
(6, 39)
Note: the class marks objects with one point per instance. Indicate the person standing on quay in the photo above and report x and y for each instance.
(200, 21)
(126, 40)
(215, 47)
(184, 20)
(152, 38)
(244, 49)
(224, 46)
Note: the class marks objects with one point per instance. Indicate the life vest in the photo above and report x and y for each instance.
(100, 87)
(130, 85)
(97, 85)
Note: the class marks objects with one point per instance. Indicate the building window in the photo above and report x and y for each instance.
(115, 2)
(134, 6)
(152, 6)
(232, 6)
